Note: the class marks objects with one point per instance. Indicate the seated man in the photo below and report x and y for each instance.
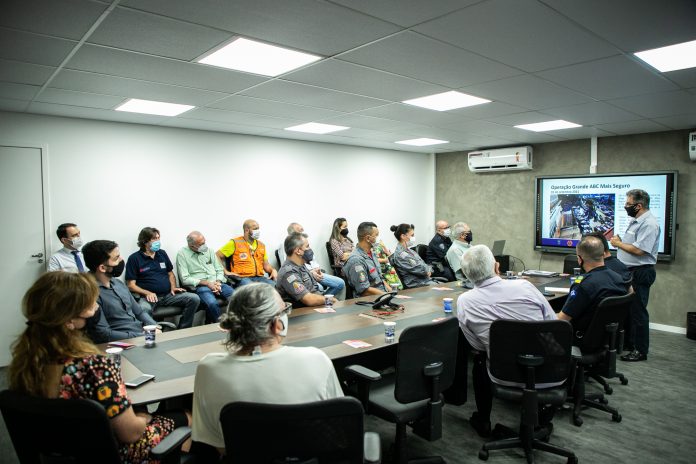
(491, 299)
(437, 250)
(589, 289)
(612, 262)
(295, 282)
(328, 284)
(362, 268)
(248, 257)
(119, 316)
(149, 274)
(460, 245)
(199, 269)
(69, 258)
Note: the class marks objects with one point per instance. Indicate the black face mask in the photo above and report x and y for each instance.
(582, 264)
(632, 211)
(469, 237)
(117, 270)
(344, 232)
(308, 255)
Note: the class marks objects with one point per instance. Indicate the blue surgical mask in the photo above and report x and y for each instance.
(155, 246)
(255, 234)
(308, 255)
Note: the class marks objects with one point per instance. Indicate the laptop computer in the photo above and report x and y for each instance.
(498, 247)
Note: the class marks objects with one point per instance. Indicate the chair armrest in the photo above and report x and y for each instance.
(529, 360)
(372, 448)
(359, 372)
(576, 353)
(168, 325)
(433, 369)
(171, 443)
(137, 296)
(439, 279)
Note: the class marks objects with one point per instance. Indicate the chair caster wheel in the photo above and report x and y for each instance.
(483, 455)
(577, 421)
(572, 460)
(616, 417)
(608, 390)
(624, 381)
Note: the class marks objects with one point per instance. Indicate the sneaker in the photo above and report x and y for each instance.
(482, 428)
(634, 356)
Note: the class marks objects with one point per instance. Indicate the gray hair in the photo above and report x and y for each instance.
(291, 228)
(251, 310)
(478, 264)
(292, 242)
(640, 196)
(192, 237)
(458, 229)
(591, 248)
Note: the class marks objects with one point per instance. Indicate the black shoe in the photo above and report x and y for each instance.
(634, 356)
(482, 428)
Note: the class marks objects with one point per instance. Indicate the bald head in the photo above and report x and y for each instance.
(250, 224)
(295, 228)
(442, 228)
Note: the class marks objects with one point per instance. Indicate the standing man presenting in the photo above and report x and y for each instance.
(638, 251)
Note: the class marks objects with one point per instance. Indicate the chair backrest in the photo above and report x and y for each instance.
(328, 431)
(57, 430)
(401, 277)
(422, 250)
(277, 257)
(612, 309)
(549, 339)
(570, 262)
(419, 346)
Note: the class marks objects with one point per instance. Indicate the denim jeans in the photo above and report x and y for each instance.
(249, 280)
(188, 301)
(209, 300)
(332, 284)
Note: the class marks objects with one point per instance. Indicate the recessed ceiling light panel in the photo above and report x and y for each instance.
(548, 125)
(256, 57)
(672, 57)
(136, 105)
(422, 142)
(316, 128)
(446, 101)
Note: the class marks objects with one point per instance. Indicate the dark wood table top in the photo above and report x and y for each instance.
(174, 358)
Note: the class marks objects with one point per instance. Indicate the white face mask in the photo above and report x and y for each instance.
(77, 243)
(412, 241)
(284, 320)
(203, 248)
(447, 232)
(255, 234)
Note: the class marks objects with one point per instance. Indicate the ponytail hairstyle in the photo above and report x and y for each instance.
(54, 300)
(336, 230)
(400, 230)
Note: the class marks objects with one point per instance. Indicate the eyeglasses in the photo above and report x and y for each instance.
(287, 309)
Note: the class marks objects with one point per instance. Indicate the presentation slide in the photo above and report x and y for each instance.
(574, 206)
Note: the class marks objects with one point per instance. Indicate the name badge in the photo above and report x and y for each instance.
(163, 266)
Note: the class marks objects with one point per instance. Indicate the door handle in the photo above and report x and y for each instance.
(37, 255)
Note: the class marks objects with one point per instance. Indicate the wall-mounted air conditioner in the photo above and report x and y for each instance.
(501, 159)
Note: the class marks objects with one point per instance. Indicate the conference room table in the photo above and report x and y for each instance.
(175, 355)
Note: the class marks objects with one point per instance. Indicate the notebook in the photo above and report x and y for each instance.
(498, 247)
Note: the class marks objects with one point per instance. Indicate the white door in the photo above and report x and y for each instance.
(24, 254)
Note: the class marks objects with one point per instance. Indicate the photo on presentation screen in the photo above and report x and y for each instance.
(573, 215)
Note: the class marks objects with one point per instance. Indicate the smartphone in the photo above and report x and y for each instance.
(138, 381)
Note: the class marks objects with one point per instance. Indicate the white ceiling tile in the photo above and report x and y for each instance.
(138, 66)
(527, 91)
(201, 124)
(527, 117)
(18, 91)
(682, 121)
(24, 73)
(659, 105)
(252, 105)
(33, 48)
(247, 119)
(347, 77)
(684, 77)
(371, 123)
(414, 55)
(92, 113)
(412, 114)
(319, 27)
(509, 31)
(633, 25)
(634, 127)
(290, 92)
(131, 88)
(608, 78)
(8, 104)
(580, 133)
(592, 114)
(406, 12)
(72, 98)
(157, 35)
(488, 110)
(61, 18)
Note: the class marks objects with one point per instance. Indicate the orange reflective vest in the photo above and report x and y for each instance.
(245, 261)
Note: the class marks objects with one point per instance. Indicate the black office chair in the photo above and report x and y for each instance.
(596, 354)
(441, 269)
(164, 315)
(76, 431)
(401, 276)
(422, 251)
(328, 431)
(570, 262)
(277, 257)
(530, 353)
(338, 272)
(425, 366)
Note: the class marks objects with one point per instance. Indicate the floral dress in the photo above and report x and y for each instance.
(96, 377)
(388, 271)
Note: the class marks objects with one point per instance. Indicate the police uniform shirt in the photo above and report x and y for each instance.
(437, 249)
(362, 271)
(294, 282)
(586, 293)
(643, 233)
(411, 268)
(618, 267)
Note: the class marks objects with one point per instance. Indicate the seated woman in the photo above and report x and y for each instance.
(341, 245)
(257, 367)
(388, 272)
(414, 272)
(52, 358)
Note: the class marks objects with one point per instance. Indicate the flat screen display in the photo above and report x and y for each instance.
(568, 207)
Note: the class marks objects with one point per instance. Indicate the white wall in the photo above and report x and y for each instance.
(112, 179)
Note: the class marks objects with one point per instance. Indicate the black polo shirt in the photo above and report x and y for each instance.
(437, 249)
(586, 293)
(151, 274)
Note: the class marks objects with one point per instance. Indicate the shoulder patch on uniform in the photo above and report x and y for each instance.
(359, 268)
(578, 279)
(291, 278)
(442, 246)
(362, 277)
(572, 294)
(298, 287)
